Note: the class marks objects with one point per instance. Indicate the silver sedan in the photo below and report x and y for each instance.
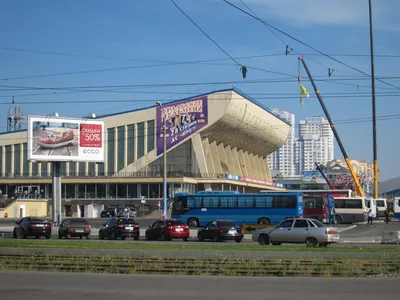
(302, 230)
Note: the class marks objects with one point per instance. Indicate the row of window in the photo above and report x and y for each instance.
(240, 202)
(145, 142)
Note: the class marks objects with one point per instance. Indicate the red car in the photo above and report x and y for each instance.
(167, 230)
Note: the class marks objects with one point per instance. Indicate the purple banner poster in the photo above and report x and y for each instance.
(183, 118)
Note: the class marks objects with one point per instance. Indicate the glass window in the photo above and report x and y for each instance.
(82, 167)
(131, 143)
(91, 169)
(230, 202)
(90, 190)
(315, 202)
(140, 132)
(301, 224)
(63, 169)
(194, 202)
(380, 203)
(35, 169)
(8, 159)
(316, 223)
(353, 203)
(247, 202)
(145, 190)
(121, 148)
(100, 169)
(101, 190)
(72, 169)
(1, 161)
(154, 190)
(17, 159)
(132, 191)
(110, 151)
(81, 191)
(150, 135)
(263, 201)
(70, 191)
(112, 190)
(122, 191)
(227, 224)
(285, 202)
(286, 224)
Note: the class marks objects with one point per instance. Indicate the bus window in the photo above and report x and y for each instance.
(315, 202)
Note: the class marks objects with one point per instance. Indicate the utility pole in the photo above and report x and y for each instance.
(376, 170)
(165, 196)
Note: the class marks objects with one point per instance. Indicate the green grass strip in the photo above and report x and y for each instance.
(186, 246)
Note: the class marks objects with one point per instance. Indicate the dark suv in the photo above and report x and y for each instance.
(120, 228)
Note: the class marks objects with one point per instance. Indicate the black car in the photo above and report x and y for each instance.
(32, 226)
(218, 231)
(120, 228)
(107, 213)
(77, 227)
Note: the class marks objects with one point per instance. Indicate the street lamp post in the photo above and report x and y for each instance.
(164, 160)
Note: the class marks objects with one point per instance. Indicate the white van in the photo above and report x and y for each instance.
(381, 205)
(396, 207)
(351, 209)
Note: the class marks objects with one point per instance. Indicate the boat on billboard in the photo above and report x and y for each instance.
(313, 177)
(183, 118)
(65, 139)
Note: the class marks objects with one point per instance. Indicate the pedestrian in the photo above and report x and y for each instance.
(332, 212)
(387, 215)
(370, 217)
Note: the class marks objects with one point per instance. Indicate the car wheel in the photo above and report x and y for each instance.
(311, 242)
(339, 220)
(15, 234)
(136, 238)
(263, 239)
(185, 239)
(193, 222)
(264, 221)
(238, 241)
(276, 243)
(101, 235)
(88, 237)
(47, 237)
(200, 237)
(24, 234)
(38, 237)
(80, 237)
(60, 236)
(147, 237)
(323, 244)
(123, 238)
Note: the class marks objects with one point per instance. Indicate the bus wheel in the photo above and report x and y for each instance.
(264, 221)
(263, 239)
(193, 222)
(339, 220)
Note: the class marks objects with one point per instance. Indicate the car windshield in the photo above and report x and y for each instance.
(126, 221)
(317, 223)
(175, 223)
(227, 224)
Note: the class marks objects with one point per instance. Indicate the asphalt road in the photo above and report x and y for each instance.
(65, 286)
(376, 230)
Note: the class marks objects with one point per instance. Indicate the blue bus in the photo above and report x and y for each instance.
(203, 207)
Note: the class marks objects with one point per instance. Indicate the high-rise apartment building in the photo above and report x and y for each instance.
(316, 143)
(282, 161)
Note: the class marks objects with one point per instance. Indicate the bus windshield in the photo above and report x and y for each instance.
(201, 208)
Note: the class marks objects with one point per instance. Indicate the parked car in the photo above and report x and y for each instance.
(107, 213)
(32, 226)
(167, 230)
(120, 228)
(218, 231)
(76, 227)
(302, 230)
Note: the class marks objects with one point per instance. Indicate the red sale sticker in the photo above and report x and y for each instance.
(90, 136)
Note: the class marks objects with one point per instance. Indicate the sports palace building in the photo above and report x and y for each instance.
(215, 141)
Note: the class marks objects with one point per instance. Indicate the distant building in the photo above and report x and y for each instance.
(282, 161)
(316, 143)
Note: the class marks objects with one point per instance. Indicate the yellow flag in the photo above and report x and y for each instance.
(303, 91)
(301, 101)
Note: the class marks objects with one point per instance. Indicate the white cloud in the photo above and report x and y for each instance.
(307, 13)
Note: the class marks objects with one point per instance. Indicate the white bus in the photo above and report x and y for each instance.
(351, 209)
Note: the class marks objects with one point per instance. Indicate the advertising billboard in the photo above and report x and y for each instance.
(313, 177)
(183, 118)
(65, 139)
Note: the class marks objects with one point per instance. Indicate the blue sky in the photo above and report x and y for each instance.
(98, 35)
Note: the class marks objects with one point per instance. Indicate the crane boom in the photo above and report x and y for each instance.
(346, 158)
